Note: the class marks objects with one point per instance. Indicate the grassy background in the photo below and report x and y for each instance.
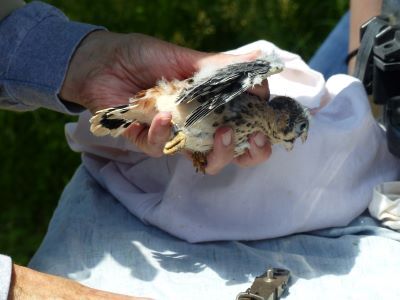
(36, 162)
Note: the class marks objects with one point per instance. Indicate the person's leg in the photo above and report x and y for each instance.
(330, 58)
(93, 239)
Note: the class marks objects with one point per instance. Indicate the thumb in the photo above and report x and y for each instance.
(219, 60)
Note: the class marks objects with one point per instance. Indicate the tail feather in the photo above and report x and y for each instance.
(142, 109)
(115, 120)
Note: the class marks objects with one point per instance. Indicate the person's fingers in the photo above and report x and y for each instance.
(159, 131)
(222, 153)
(151, 140)
(223, 59)
(137, 134)
(249, 56)
(261, 91)
(260, 150)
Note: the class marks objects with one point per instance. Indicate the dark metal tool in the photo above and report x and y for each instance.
(269, 286)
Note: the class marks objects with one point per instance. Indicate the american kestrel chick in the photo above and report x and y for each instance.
(208, 100)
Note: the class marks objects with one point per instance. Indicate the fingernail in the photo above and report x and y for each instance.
(227, 138)
(165, 118)
(260, 140)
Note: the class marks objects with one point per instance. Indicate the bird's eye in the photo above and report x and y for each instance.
(301, 127)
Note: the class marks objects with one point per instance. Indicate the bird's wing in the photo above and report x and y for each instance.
(224, 85)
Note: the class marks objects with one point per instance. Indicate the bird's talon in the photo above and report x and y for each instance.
(176, 144)
(199, 161)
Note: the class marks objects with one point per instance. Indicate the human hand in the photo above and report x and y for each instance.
(30, 284)
(109, 68)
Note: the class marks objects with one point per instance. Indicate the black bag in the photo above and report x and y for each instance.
(378, 67)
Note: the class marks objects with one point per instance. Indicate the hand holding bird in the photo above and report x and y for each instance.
(130, 63)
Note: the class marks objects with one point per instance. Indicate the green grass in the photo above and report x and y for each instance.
(36, 162)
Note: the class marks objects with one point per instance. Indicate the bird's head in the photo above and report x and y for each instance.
(291, 121)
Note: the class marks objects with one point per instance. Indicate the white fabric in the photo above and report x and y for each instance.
(5, 276)
(323, 183)
(385, 204)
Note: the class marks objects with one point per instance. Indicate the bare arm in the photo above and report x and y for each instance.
(27, 283)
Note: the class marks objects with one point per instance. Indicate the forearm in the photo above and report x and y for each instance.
(360, 12)
(25, 283)
(38, 42)
(29, 284)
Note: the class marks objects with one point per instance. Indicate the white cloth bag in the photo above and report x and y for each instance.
(385, 204)
(325, 182)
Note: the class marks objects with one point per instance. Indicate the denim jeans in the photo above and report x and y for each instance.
(330, 58)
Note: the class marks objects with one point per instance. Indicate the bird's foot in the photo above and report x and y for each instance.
(199, 161)
(176, 144)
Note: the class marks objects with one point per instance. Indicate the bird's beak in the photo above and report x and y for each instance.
(288, 146)
(304, 136)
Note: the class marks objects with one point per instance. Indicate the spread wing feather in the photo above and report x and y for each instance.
(223, 86)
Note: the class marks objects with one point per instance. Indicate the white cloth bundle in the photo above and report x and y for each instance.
(385, 204)
(325, 182)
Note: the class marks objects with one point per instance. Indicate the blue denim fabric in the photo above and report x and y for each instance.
(37, 43)
(92, 238)
(330, 58)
